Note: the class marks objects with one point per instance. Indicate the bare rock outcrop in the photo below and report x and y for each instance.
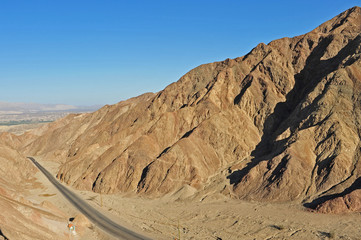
(279, 124)
(348, 203)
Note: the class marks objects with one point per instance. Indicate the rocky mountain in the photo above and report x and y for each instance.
(279, 124)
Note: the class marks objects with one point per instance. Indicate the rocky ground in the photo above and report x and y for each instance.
(19, 129)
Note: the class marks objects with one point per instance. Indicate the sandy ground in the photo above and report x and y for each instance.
(216, 218)
(231, 219)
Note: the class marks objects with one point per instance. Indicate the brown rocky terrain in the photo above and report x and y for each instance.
(22, 217)
(279, 124)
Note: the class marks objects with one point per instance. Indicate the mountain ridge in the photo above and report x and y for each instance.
(278, 124)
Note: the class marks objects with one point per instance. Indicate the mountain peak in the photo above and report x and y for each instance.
(351, 14)
(356, 9)
(350, 18)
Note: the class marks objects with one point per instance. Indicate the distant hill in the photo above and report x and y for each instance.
(18, 108)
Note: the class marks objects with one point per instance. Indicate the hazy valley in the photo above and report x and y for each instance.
(20, 117)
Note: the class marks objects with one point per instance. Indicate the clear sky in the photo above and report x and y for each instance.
(85, 52)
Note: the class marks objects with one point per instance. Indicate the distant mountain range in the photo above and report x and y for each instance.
(19, 108)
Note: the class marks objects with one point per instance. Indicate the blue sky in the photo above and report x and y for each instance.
(101, 52)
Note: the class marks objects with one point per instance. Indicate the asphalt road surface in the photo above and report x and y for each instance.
(93, 215)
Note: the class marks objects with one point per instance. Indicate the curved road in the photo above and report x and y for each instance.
(92, 214)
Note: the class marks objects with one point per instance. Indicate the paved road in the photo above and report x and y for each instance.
(93, 215)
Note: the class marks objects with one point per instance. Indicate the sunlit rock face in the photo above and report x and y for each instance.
(279, 124)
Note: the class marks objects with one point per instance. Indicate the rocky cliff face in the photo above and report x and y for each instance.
(281, 123)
